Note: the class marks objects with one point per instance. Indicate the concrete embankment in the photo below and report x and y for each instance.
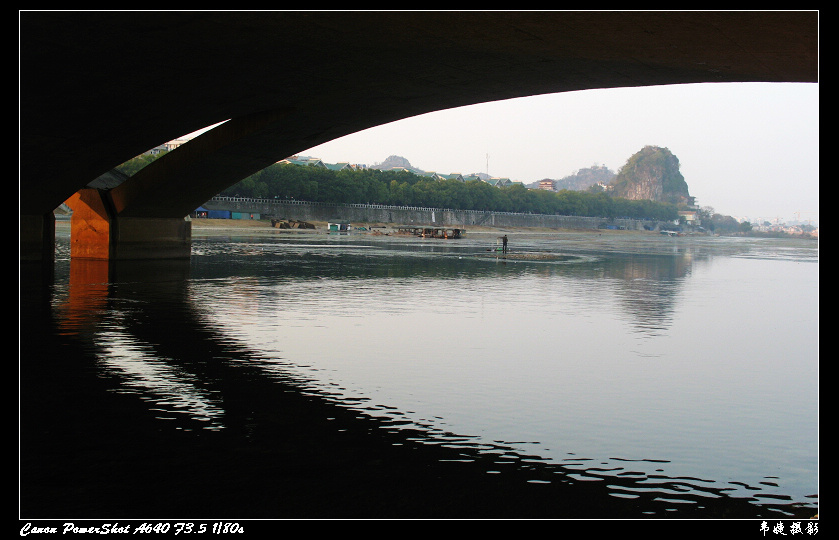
(403, 215)
(482, 235)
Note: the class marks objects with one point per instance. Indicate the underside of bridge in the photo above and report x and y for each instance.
(98, 88)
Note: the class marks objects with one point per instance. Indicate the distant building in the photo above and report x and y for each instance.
(302, 160)
(439, 176)
(689, 215)
(547, 184)
(499, 182)
(171, 145)
(339, 166)
(156, 150)
(165, 147)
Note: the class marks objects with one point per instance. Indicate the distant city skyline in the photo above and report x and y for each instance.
(748, 150)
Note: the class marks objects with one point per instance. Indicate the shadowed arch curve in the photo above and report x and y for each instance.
(98, 88)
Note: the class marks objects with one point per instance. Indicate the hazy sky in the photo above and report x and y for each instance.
(746, 149)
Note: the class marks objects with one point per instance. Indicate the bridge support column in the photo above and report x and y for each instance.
(37, 237)
(97, 233)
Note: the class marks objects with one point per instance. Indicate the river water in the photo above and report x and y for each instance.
(290, 374)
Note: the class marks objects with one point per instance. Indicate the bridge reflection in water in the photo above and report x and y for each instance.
(135, 404)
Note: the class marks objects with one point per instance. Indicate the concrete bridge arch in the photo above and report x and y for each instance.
(98, 88)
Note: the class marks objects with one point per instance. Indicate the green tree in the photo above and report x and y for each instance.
(404, 188)
(133, 165)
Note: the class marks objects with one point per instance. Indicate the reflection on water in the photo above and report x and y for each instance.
(659, 370)
(169, 390)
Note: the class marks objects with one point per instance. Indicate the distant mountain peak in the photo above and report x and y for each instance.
(394, 162)
(652, 174)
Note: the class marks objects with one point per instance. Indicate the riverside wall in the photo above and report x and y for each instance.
(409, 215)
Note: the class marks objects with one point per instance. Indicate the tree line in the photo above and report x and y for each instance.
(404, 188)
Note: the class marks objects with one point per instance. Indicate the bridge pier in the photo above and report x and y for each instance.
(98, 233)
(37, 237)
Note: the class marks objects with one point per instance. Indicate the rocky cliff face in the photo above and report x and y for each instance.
(647, 185)
(652, 174)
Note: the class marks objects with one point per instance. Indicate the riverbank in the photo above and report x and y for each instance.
(203, 226)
